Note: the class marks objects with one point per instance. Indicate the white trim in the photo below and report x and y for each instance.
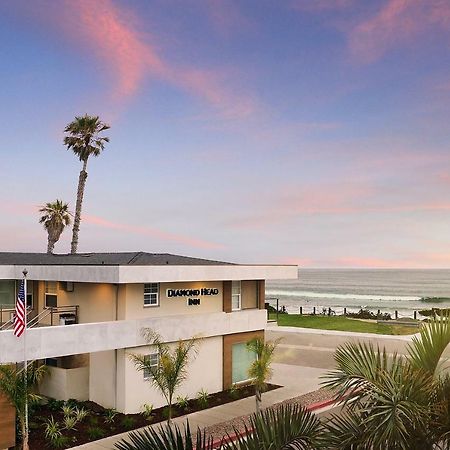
(234, 295)
(151, 305)
(149, 274)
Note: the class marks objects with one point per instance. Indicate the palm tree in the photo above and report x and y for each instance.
(171, 370)
(83, 138)
(287, 427)
(55, 217)
(260, 371)
(19, 391)
(391, 401)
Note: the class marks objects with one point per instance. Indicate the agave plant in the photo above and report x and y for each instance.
(393, 402)
(166, 438)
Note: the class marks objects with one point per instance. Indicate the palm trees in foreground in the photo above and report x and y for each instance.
(84, 139)
(260, 371)
(55, 217)
(19, 390)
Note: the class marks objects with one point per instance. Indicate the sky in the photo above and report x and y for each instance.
(309, 132)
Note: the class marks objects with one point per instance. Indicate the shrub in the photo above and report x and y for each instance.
(367, 314)
(80, 413)
(55, 405)
(147, 410)
(202, 398)
(110, 415)
(93, 421)
(234, 391)
(95, 433)
(52, 431)
(62, 442)
(182, 402)
(435, 312)
(128, 422)
(68, 410)
(70, 422)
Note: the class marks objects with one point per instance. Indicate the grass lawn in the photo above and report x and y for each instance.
(340, 323)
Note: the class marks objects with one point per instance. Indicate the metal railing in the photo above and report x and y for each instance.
(49, 316)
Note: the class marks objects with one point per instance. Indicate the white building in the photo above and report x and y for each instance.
(87, 313)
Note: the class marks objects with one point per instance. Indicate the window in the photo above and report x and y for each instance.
(241, 361)
(235, 295)
(151, 294)
(7, 293)
(153, 361)
(51, 294)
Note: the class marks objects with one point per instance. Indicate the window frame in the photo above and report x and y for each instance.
(147, 375)
(46, 293)
(246, 380)
(152, 305)
(239, 308)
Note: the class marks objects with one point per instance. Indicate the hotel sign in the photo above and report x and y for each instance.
(193, 295)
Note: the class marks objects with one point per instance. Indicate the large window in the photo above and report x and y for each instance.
(51, 294)
(153, 360)
(235, 295)
(240, 362)
(7, 293)
(151, 294)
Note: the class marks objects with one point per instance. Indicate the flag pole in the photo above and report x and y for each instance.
(25, 364)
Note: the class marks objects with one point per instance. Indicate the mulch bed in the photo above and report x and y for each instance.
(96, 425)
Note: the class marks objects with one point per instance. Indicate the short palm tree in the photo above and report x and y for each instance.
(19, 392)
(260, 370)
(171, 370)
(83, 138)
(55, 217)
(393, 402)
(286, 427)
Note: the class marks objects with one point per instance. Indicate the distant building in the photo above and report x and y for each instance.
(87, 312)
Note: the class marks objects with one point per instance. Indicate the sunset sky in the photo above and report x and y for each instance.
(314, 132)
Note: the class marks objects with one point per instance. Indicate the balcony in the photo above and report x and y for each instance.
(51, 342)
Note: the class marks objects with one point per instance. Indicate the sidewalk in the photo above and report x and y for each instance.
(297, 381)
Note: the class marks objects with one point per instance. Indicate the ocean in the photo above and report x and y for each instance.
(404, 290)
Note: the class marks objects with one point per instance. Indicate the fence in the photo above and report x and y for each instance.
(274, 306)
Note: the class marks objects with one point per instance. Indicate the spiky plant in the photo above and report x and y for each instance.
(171, 371)
(84, 139)
(55, 218)
(260, 370)
(393, 402)
(19, 386)
(166, 438)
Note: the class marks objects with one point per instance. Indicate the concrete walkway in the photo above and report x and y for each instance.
(295, 379)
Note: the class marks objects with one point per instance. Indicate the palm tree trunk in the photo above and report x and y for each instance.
(24, 436)
(50, 245)
(77, 219)
(258, 400)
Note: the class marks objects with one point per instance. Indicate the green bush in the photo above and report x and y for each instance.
(95, 433)
(128, 422)
(110, 415)
(55, 405)
(367, 314)
(202, 398)
(182, 402)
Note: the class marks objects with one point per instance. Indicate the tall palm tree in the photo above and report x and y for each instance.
(55, 217)
(260, 371)
(19, 392)
(171, 370)
(83, 138)
(393, 402)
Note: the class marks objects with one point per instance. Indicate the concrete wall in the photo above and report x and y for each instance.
(132, 303)
(204, 372)
(102, 378)
(63, 384)
(48, 342)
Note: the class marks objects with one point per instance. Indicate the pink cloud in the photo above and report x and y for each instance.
(116, 37)
(396, 23)
(150, 231)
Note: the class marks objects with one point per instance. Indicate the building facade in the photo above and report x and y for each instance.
(87, 314)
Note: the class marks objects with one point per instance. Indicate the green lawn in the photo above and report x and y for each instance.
(340, 323)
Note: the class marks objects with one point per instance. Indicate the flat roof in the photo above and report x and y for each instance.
(104, 259)
(134, 267)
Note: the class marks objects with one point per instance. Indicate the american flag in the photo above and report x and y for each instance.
(19, 316)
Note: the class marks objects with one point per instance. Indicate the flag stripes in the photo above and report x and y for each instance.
(19, 316)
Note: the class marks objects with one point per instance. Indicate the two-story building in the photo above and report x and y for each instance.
(87, 313)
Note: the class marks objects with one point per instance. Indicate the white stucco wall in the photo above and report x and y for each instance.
(63, 384)
(133, 307)
(102, 378)
(204, 372)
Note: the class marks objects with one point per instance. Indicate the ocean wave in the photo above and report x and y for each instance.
(331, 295)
